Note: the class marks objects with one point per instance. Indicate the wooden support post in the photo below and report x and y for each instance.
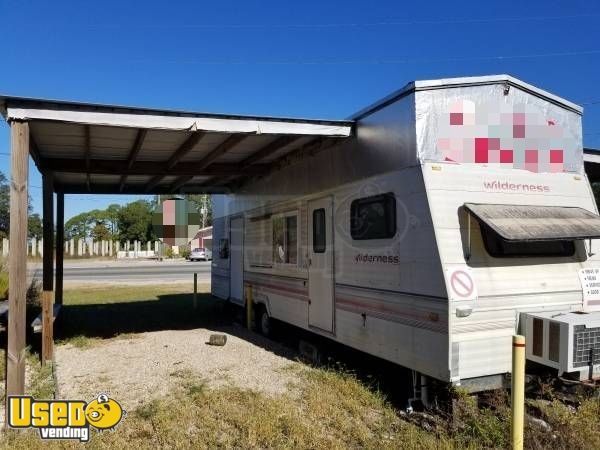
(195, 290)
(48, 267)
(60, 246)
(17, 259)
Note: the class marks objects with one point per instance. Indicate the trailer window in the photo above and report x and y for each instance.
(285, 239)
(319, 231)
(499, 248)
(373, 217)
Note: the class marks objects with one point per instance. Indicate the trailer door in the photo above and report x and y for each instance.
(320, 263)
(236, 261)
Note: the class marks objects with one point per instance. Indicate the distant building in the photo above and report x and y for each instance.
(202, 239)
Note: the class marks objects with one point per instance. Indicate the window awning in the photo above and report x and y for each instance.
(537, 223)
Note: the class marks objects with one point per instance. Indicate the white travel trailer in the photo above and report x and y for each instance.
(457, 213)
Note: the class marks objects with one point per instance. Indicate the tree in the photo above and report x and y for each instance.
(112, 218)
(100, 232)
(135, 221)
(34, 226)
(79, 226)
(4, 206)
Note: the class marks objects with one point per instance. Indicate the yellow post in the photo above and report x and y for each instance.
(195, 290)
(249, 304)
(518, 391)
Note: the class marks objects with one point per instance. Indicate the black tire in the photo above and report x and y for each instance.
(264, 323)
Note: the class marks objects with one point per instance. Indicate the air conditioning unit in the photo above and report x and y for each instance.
(566, 341)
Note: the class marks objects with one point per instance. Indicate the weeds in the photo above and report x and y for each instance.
(80, 341)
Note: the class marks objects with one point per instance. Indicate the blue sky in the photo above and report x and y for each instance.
(317, 59)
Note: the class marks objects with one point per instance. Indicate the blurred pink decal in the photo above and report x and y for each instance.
(504, 135)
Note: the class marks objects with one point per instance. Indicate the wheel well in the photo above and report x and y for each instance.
(262, 306)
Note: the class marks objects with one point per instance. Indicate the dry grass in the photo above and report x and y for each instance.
(334, 410)
(329, 409)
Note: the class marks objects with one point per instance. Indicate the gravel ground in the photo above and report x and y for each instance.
(138, 367)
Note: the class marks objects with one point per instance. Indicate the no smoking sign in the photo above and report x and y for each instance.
(460, 283)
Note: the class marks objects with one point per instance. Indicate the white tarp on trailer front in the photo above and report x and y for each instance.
(499, 125)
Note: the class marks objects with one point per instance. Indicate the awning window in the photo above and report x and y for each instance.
(523, 223)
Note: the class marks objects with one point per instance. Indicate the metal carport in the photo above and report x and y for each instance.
(103, 149)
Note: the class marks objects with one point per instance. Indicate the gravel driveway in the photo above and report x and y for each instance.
(138, 367)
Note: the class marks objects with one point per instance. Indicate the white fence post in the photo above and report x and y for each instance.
(4, 247)
(40, 247)
(33, 246)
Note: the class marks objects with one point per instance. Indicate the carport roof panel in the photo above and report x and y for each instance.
(27, 108)
(178, 151)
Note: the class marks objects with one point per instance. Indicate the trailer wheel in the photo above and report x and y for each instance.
(264, 322)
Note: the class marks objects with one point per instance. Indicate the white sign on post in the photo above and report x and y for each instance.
(590, 284)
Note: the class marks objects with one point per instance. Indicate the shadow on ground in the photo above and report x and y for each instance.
(176, 312)
(169, 312)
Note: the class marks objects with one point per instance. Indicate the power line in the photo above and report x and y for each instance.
(362, 61)
(384, 23)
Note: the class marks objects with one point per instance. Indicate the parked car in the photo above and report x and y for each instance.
(201, 254)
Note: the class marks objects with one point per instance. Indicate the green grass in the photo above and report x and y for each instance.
(94, 313)
(104, 295)
(3, 285)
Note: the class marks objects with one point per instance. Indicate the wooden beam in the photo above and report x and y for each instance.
(268, 150)
(141, 190)
(221, 149)
(17, 259)
(119, 167)
(183, 150)
(205, 162)
(137, 146)
(60, 247)
(88, 156)
(47, 265)
(179, 182)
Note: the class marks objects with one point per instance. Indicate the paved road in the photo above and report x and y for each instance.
(154, 272)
